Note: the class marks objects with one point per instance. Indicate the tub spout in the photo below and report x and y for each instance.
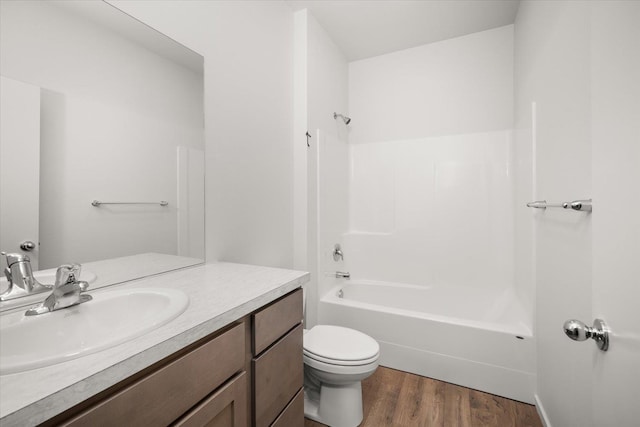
(343, 275)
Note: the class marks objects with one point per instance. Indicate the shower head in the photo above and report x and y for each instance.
(345, 119)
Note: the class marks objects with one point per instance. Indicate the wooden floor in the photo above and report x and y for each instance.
(396, 398)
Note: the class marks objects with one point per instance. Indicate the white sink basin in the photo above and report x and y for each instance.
(111, 318)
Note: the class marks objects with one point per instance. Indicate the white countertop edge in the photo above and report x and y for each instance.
(58, 402)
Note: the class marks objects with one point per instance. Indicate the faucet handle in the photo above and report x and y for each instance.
(67, 273)
(13, 258)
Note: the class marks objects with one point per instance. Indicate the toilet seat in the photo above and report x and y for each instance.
(336, 345)
(340, 362)
(345, 371)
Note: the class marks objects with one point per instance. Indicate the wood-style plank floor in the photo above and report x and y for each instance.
(399, 399)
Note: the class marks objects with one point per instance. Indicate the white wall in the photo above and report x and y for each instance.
(248, 51)
(103, 114)
(328, 91)
(552, 69)
(19, 166)
(615, 133)
(301, 200)
(431, 187)
(322, 90)
(457, 86)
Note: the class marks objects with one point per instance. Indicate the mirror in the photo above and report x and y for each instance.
(98, 106)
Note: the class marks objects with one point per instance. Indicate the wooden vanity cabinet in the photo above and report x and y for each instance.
(163, 393)
(277, 366)
(219, 381)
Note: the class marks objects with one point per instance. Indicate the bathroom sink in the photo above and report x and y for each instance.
(111, 318)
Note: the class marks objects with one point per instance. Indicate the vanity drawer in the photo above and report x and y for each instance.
(272, 322)
(164, 395)
(278, 376)
(293, 414)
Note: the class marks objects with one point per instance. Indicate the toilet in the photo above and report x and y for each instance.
(336, 360)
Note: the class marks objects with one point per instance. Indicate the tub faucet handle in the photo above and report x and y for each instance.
(337, 253)
(343, 275)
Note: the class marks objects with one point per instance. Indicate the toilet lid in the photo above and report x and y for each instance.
(338, 343)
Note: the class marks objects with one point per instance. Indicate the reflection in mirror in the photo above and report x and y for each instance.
(98, 106)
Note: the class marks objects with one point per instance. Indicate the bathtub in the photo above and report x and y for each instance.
(475, 338)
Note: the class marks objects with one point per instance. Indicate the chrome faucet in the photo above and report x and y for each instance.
(20, 278)
(343, 275)
(67, 291)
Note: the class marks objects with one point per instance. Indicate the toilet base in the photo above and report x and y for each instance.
(335, 406)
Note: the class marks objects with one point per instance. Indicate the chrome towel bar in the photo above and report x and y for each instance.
(98, 203)
(576, 205)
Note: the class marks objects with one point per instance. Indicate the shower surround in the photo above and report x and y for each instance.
(420, 190)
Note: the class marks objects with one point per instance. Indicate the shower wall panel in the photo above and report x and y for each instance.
(432, 164)
(433, 210)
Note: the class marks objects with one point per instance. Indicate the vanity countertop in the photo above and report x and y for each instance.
(219, 294)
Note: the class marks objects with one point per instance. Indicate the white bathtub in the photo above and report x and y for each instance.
(478, 339)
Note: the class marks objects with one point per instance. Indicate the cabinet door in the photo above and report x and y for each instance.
(293, 414)
(167, 393)
(227, 407)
